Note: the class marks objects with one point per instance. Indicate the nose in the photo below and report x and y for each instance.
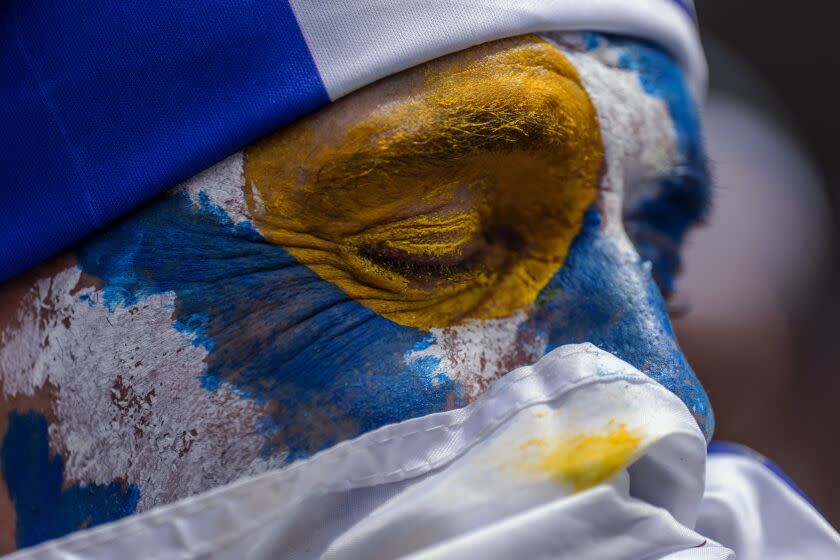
(605, 294)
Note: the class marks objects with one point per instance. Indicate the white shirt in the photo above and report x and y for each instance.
(577, 456)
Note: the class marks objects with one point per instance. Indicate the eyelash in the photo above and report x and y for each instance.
(461, 263)
(407, 266)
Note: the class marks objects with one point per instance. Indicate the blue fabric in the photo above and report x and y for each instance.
(104, 105)
(688, 7)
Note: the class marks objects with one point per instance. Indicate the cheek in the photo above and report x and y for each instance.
(604, 295)
(320, 366)
(329, 368)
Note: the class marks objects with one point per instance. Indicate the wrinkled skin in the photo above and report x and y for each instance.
(385, 258)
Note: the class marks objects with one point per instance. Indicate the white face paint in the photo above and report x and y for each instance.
(129, 401)
(478, 352)
(223, 185)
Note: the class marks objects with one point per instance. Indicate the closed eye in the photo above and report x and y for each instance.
(421, 267)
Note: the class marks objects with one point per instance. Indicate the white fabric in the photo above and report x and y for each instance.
(356, 42)
(758, 514)
(477, 483)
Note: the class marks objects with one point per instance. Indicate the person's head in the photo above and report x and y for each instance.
(387, 256)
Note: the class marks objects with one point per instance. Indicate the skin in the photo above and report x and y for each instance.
(384, 258)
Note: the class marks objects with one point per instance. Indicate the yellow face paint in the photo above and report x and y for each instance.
(584, 460)
(449, 192)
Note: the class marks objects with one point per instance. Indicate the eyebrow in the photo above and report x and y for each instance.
(454, 137)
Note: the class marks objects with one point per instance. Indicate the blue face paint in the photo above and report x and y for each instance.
(43, 509)
(275, 330)
(604, 296)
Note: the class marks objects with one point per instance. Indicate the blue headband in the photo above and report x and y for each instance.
(104, 105)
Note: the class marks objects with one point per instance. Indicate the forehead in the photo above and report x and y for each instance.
(483, 95)
(505, 95)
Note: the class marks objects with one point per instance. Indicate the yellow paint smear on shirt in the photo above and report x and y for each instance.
(584, 460)
(448, 192)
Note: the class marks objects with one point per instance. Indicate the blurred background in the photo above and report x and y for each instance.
(760, 281)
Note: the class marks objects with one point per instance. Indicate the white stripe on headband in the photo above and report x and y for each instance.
(356, 42)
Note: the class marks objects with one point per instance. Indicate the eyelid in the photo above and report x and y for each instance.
(425, 237)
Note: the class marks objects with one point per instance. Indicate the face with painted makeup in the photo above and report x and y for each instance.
(384, 258)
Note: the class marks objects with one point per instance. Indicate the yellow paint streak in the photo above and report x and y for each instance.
(448, 192)
(584, 460)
